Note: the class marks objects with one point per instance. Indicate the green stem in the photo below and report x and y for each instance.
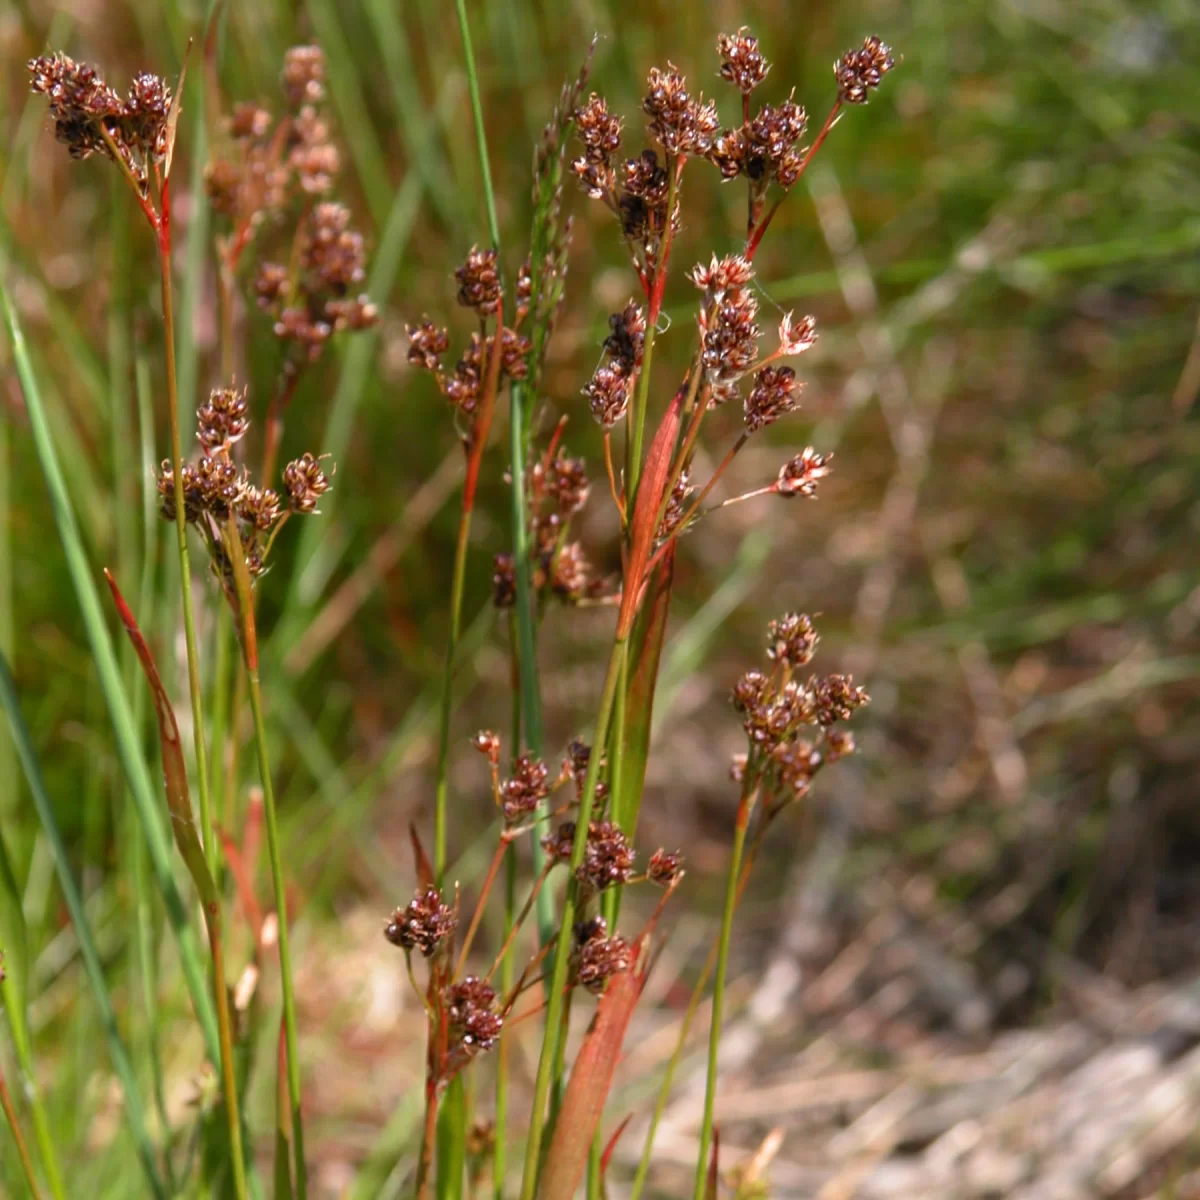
(22, 1150)
(228, 1073)
(489, 195)
(245, 603)
(641, 395)
(185, 572)
(718, 1005)
(285, 956)
(457, 586)
(500, 1150)
(556, 994)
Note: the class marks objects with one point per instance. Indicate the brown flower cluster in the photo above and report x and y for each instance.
(800, 475)
(609, 388)
(728, 323)
(479, 289)
(742, 63)
(475, 1025)
(664, 867)
(90, 117)
(527, 787)
(316, 298)
(215, 487)
(607, 857)
(790, 725)
(423, 925)
(679, 122)
(598, 957)
(858, 72)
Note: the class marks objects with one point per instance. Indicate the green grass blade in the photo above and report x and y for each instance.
(134, 1111)
(128, 747)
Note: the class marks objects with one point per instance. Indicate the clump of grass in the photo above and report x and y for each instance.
(298, 256)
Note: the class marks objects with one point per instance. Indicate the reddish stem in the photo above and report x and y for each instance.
(757, 236)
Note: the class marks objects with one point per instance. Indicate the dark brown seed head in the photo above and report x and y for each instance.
(474, 1025)
(839, 743)
(775, 393)
(558, 843)
(598, 130)
(567, 484)
(514, 353)
(677, 505)
(599, 959)
(313, 156)
(571, 572)
(528, 787)
(296, 324)
(504, 581)
(222, 419)
(722, 276)
(792, 640)
(219, 484)
(742, 63)
(270, 284)
(304, 75)
(423, 925)
(627, 339)
(796, 336)
(332, 252)
(681, 124)
(607, 858)
(730, 336)
(426, 345)
(835, 698)
(353, 314)
(259, 507)
(305, 483)
(800, 475)
(860, 71)
(488, 744)
(80, 103)
(144, 120)
(608, 394)
(479, 282)
(664, 867)
(193, 500)
(795, 762)
(249, 123)
(772, 133)
(728, 153)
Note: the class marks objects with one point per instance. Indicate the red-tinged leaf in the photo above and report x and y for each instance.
(645, 652)
(244, 883)
(710, 1191)
(588, 1088)
(644, 523)
(609, 1149)
(183, 824)
(425, 872)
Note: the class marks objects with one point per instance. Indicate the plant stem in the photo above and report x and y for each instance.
(490, 878)
(556, 993)
(664, 1090)
(228, 1072)
(285, 957)
(185, 573)
(22, 1150)
(500, 1151)
(245, 601)
(755, 238)
(637, 409)
(745, 806)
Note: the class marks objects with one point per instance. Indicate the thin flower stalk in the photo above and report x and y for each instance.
(745, 807)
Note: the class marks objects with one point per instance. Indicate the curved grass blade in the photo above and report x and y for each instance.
(128, 748)
(134, 1111)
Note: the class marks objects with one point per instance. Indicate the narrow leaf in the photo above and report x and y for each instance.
(611, 1146)
(14, 956)
(644, 525)
(133, 1112)
(128, 748)
(183, 823)
(591, 1079)
(173, 114)
(645, 653)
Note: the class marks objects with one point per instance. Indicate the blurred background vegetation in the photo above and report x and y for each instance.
(1002, 254)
